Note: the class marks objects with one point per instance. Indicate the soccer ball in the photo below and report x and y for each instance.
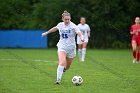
(77, 80)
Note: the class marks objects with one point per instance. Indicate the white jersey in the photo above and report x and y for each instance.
(84, 29)
(67, 35)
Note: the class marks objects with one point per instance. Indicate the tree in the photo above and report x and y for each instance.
(109, 20)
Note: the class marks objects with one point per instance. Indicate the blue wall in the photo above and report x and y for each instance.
(22, 39)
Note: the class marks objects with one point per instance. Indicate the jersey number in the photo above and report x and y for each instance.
(65, 35)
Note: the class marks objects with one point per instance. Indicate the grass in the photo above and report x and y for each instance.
(34, 71)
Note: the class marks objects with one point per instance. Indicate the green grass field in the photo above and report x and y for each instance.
(34, 71)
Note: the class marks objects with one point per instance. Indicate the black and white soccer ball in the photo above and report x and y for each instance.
(77, 80)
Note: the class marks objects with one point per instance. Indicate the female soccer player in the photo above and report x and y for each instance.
(66, 45)
(85, 29)
(135, 32)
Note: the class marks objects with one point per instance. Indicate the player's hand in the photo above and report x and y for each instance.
(82, 39)
(135, 32)
(43, 34)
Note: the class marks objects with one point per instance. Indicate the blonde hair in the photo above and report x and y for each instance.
(65, 13)
(82, 18)
(137, 17)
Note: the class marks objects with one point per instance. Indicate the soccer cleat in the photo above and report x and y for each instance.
(134, 61)
(82, 60)
(58, 81)
(64, 70)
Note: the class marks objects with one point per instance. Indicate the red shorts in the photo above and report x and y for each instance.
(137, 39)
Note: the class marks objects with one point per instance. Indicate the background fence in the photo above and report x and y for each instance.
(22, 39)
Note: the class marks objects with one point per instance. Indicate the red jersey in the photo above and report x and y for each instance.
(135, 28)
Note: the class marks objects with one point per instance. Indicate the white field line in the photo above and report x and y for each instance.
(35, 60)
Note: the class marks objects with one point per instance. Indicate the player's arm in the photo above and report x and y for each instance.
(81, 36)
(50, 31)
(88, 33)
(133, 32)
(79, 33)
(88, 30)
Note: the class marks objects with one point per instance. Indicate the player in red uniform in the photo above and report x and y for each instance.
(135, 32)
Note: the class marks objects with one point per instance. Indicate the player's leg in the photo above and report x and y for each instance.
(68, 63)
(70, 56)
(62, 63)
(80, 51)
(134, 50)
(138, 50)
(138, 54)
(79, 43)
(84, 45)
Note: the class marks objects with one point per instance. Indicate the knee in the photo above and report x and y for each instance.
(134, 48)
(139, 50)
(62, 63)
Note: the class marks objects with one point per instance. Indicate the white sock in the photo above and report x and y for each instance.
(83, 53)
(59, 72)
(80, 53)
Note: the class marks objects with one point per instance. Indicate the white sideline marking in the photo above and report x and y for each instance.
(35, 60)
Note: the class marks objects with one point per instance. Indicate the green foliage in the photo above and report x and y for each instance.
(109, 20)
